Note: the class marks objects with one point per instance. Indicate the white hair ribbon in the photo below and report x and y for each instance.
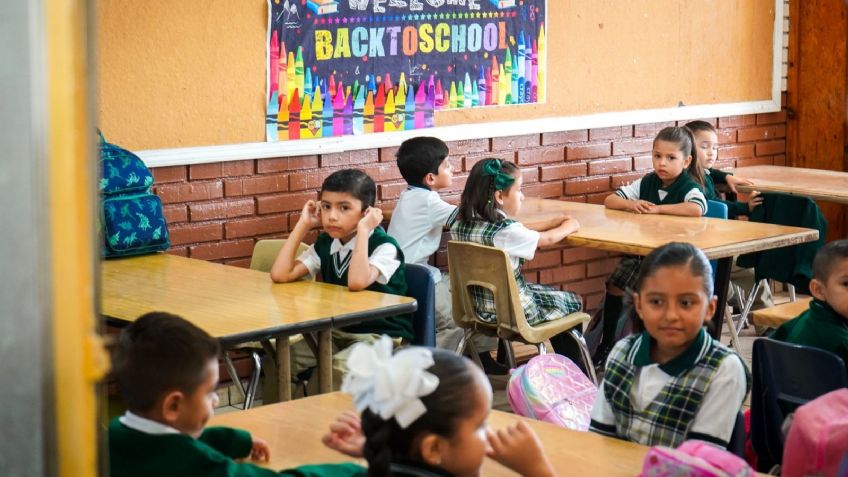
(390, 385)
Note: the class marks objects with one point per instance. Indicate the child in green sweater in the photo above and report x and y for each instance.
(825, 324)
(167, 371)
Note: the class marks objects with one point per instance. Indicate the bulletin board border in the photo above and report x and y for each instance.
(262, 150)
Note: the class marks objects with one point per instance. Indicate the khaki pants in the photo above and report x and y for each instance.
(448, 334)
(303, 358)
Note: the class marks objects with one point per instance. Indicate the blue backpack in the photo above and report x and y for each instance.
(132, 218)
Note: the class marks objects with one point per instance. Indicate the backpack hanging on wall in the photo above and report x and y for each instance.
(132, 219)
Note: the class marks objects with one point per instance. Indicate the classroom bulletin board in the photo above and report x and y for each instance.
(193, 72)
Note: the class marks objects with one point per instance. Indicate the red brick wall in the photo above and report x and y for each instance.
(217, 211)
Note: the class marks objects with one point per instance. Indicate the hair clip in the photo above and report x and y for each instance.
(390, 385)
(492, 167)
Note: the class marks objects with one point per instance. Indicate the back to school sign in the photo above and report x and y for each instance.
(347, 67)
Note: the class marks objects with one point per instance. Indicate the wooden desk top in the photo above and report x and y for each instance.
(779, 314)
(293, 430)
(831, 186)
(637, 234)
(232, 303)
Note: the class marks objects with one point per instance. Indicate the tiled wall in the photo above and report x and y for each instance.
(217, 211)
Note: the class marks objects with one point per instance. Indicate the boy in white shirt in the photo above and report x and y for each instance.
(417, 224)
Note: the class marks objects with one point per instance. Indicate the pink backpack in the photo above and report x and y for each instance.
(551, 388)
(818, 438)
(694, 459)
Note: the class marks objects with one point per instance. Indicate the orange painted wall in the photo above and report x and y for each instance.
(191, 72)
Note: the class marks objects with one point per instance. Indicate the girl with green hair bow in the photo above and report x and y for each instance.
(490, 202)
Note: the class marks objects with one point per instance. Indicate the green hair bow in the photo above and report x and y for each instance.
(492, 167)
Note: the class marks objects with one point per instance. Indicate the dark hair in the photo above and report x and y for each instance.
(699, 125)
(158, 353)
(353, 182)
(420, 156)
(686, 144)
(478, 197)
(675, 254)
(827, 257)
(446, 406)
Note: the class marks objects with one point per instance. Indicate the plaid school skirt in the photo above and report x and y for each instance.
(540, 303)
(626, 273)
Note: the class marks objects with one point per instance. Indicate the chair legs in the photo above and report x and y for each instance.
(467, 342)
(253, 385)
(585, 356)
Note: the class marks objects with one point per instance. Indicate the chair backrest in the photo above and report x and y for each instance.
(265, 252)
(716, 210)
(736, 445)
(420, 285)
(474, 265)
(786, 376)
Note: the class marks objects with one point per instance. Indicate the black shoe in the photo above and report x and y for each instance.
(492, 367)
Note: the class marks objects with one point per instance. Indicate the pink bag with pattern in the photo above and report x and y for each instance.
(818, 438)
(694, 459)
(551, 388)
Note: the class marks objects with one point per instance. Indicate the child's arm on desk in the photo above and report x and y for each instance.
(518, 448)
(560, 228)
(236, 443)
(286, 268)
(686, 209)
(616, 202)
(345, 435)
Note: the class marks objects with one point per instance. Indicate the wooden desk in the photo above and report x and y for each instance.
(293, 430)
(239, 305)
(638, 234)
(830, 186)
(777, 315)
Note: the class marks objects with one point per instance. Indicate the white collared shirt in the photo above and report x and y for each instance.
(383, 258)
(417, 224)
(147, 426)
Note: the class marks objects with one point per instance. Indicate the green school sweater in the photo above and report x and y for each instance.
(134, 453)
(332, 271)
(717, 176)
(820, 327)
(651, 184)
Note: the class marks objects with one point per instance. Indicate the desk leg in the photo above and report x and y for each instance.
(722, 284)
(325, 361)
(283, 369)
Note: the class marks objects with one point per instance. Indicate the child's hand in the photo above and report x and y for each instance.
(733, 181)
(570, 224)
(259, 450)
(345, 435)
(311, 214)
(643, 207)
(372, 218)
(755, 199)
(518, 448)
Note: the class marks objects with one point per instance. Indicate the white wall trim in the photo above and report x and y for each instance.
(262, 150)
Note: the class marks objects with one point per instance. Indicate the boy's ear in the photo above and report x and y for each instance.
(170, 406)
(687, 161)
(429, 179)
(817, 289)
(432, 447)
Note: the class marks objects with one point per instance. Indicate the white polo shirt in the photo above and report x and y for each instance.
(417, 224)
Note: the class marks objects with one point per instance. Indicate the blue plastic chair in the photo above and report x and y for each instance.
(716, 210)
(786, 376)
(420, 285)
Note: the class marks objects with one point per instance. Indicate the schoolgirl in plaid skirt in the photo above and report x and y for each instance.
(491, 197)
(672, 382)
(674, 188)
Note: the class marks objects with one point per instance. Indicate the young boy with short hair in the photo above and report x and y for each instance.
(417, 224)
(167, 371)
(825, 324)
